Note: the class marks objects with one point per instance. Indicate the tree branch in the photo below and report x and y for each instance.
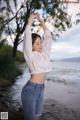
(12, 17)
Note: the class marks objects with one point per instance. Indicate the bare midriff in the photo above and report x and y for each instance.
(38, 78)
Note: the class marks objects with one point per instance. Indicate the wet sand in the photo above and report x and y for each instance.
(54, 110)
(61, 101)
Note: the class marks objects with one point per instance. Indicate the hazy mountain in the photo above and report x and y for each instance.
(73, 59)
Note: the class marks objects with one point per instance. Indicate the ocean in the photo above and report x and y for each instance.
(66, 72)
(62, 84)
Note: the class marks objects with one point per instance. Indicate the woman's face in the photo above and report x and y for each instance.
(37, 46)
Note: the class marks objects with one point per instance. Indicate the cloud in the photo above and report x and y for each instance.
(68, 44)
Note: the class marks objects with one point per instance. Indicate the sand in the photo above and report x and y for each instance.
(61, 101)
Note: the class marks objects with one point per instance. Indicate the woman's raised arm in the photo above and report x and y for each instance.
(27, 43)
(47, 37)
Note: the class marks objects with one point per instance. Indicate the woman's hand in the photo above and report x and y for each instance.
(30, 19)
(36, 16)
(41, 21)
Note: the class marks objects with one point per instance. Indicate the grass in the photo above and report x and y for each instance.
(8, 67)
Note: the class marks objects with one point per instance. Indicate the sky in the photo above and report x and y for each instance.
(68, 44)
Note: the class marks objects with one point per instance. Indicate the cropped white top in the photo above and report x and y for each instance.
(38, 62)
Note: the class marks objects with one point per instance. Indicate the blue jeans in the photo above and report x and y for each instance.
(32, 99)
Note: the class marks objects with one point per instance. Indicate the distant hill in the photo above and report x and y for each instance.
(73, 59)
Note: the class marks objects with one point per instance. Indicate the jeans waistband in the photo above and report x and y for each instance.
(35, 84)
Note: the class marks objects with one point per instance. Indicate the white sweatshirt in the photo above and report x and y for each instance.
(38, 62)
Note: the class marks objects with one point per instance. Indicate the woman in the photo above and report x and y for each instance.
(36, 53)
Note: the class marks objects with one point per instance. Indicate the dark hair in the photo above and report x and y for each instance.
(34, 37)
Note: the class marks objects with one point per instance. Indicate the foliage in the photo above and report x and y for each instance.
(8, 67)
(77, 18)
(16, 14)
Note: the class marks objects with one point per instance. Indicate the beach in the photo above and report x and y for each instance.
(61, 94)
(61, 102)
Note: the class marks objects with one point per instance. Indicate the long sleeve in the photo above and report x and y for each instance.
(38, 62)
(27, 44)
(47, 40)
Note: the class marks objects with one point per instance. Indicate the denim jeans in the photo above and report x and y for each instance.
(32, 95)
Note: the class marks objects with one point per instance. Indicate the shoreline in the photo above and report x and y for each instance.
(66, 94)
(61, 99)
(54, 110)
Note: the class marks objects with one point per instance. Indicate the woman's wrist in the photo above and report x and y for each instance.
(44, 25)
(29, 21)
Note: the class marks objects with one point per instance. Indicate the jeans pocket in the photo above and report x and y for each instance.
(29, 89)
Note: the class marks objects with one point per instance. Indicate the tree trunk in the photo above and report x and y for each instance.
(15, 48)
